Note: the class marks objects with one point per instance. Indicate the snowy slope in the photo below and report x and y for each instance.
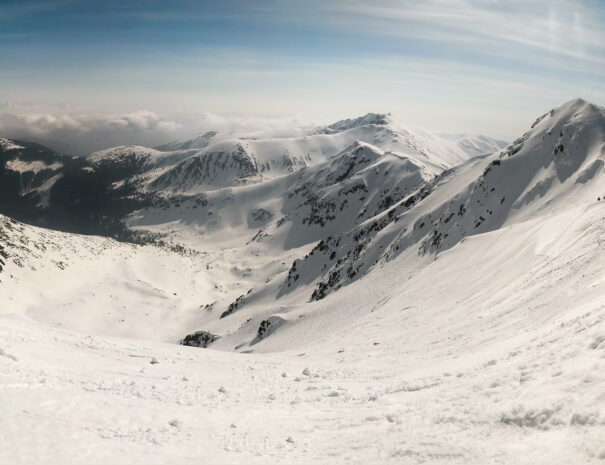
(503, 364)
(98, 285)
(303, 236)
(140, 158)
(230, 161)
(215, 160)
(198, 142)
(45, 188)
(557, 164)
(394, 134)
(475, 145)
(325, 226)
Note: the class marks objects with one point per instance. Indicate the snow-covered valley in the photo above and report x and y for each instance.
(367, 292)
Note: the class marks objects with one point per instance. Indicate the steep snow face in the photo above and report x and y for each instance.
(234, 161)
(475, 145)
(360, 183)
(391, 133)
(367, 206)
(209, 170)
(567, 140)
(297, 209)
(558, 163)
(217, 161)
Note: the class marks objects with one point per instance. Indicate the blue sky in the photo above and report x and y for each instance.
(483, 66)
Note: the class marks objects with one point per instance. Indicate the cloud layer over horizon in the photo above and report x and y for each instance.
(83, 134)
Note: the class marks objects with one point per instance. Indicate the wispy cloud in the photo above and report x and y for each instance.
(82, 134)
(85, 133)
(569, 28)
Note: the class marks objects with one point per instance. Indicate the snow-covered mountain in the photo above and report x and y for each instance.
(195, 143)
(475, 145)
(230, 161)
(554, 165)
(28, 172)
(335, 217)
(93, 194)
(374, 279)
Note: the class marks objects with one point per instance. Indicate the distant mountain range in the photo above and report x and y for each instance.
(94, 194)
(296, 219)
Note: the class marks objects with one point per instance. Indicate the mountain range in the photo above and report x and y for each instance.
(397, 290)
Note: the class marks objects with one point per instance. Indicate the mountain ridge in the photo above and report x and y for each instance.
(328, 225)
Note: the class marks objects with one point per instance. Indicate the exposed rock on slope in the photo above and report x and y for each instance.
(302, 225)
(209, 170)
(538, 174)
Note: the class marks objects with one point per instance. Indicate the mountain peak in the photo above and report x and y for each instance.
(197, 142)
(378, 119)
(577, 109)
(120, 151)
(574, 112)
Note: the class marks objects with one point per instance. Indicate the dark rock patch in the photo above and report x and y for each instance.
(199, 339)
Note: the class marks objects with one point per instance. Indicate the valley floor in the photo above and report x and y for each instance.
(494, 353)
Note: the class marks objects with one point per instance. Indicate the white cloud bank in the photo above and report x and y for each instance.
(87, 133)
(82, 134)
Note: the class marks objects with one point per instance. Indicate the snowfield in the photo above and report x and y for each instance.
(375, 306)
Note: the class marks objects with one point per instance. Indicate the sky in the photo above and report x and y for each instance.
(82, 75)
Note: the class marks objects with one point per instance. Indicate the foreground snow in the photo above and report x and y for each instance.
(504, 364)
